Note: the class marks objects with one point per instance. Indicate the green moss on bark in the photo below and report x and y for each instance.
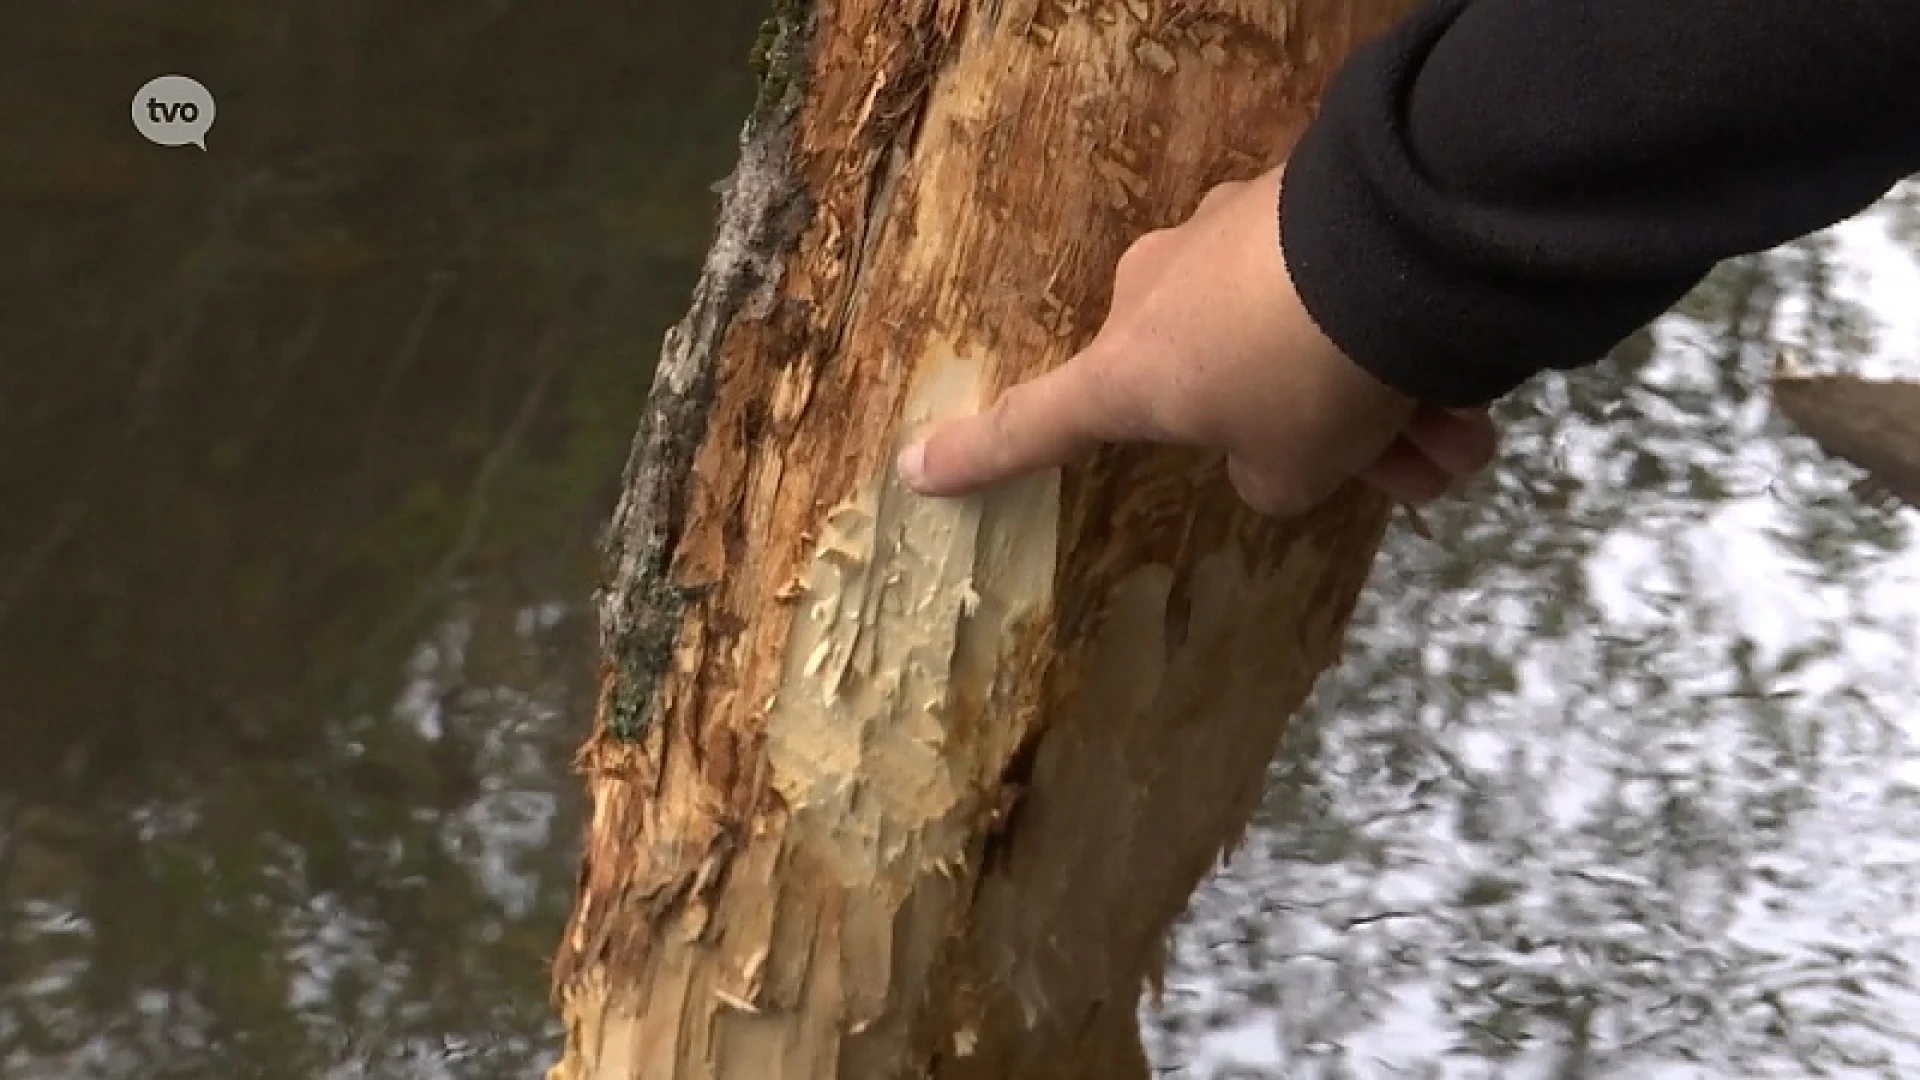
(780, 49)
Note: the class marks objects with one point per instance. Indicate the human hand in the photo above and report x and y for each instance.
(1206, 343)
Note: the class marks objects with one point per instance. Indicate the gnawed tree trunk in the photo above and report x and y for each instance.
(886, 787)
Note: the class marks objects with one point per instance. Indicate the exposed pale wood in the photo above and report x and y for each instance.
(888, 787)
(1873, 423)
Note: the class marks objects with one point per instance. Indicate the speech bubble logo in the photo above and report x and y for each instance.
(173, 110)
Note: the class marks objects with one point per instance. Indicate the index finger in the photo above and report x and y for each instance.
(1042, 423)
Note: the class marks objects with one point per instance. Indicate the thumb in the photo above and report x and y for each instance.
(1040, 424)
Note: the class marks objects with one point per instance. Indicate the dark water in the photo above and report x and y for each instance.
(305, 443)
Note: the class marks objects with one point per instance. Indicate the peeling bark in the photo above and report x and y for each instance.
(890, 787)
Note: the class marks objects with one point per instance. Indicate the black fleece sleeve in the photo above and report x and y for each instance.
(1499, 187)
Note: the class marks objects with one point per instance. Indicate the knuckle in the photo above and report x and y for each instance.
(1141, 252)
(1006, 423)
(1003, 416)
(1217, 193)
(1267, 493)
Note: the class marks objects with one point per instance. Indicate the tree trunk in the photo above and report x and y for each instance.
(886, 787)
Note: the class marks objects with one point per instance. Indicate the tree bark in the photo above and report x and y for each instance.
(886, 787)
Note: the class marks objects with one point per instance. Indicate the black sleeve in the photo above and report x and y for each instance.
(1499, 187)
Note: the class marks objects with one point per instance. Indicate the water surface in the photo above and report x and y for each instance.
(305, 443)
